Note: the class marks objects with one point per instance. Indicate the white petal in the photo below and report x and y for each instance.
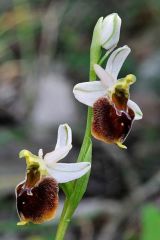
(63, 145)
(56, 155)
(136, 109)
(110, 31)
(106, 78)
(89, 92)
(64, 137)
(116, 60)
(65, 172)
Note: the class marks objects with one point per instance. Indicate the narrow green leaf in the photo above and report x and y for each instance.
(81, 183)
(67, 188)
(72, 200)
(82, 156)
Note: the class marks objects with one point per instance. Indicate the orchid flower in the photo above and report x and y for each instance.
(37, 195)
(110, 31)
(113, 111)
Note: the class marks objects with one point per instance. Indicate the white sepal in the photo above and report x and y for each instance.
(116, 61)
(63, 145)
(137, 111)
(110, 31)
(65, 172)
(89, 92)
(56, 155)
(106, 79)
(64, 137)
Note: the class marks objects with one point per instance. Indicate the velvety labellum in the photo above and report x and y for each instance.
(110, 124)
(37, 203)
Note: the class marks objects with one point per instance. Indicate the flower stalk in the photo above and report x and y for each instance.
(85, 154)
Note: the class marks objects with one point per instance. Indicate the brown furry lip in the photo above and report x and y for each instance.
(110, 124)
(37, 201)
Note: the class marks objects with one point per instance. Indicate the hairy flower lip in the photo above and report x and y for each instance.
(39, 206)
(109, 124)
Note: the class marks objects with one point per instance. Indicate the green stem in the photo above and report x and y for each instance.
(63, 224)
(87, 135)
(65, 220)
(68, 209)
(105, 56)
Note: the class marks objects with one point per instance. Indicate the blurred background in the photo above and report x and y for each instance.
(44, 52)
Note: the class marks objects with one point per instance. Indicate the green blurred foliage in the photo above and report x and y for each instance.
(150, 219)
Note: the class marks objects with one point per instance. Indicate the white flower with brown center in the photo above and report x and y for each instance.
(37, 195)
(113, 111)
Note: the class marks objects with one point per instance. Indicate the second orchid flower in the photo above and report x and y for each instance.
(113, 111)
